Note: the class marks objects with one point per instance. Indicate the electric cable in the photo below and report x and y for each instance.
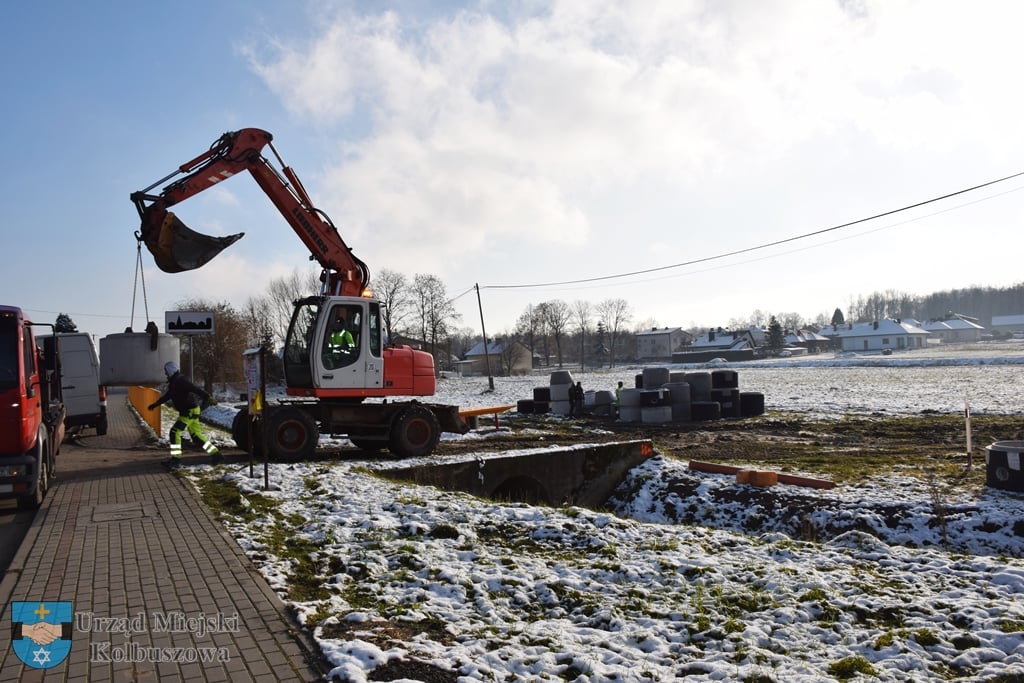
(758, 247)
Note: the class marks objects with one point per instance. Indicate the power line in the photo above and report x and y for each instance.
(759, 246)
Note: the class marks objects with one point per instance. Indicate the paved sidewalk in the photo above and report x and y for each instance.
(124, 540)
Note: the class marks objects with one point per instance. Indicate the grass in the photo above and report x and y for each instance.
(852, 449)
(848, 667)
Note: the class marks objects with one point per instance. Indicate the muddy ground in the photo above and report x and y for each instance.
(846, 448)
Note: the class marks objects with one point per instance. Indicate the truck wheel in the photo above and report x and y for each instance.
(292, 434)
(34, 500)
(414, 433)
(240, 429)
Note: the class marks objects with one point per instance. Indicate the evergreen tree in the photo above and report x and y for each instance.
(775, 336)
(837, 318)
(64, 323)
(600, 350)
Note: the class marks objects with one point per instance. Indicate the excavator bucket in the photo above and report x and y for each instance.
(176, 247)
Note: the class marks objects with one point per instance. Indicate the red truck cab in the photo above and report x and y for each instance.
(31, 412)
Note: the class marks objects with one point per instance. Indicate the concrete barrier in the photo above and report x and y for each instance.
(141, 398)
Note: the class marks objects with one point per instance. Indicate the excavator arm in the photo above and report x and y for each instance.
(176, 248)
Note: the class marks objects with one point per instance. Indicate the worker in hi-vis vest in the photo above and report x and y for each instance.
(183, 396)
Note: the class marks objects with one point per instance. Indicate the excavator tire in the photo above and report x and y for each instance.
(414, 433)
(240, 429)
(292, 434)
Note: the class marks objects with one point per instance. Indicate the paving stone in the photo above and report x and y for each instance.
(119, 536)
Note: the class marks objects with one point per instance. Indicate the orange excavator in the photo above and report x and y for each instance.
(335, 355)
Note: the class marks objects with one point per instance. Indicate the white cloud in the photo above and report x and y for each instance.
(480, 135)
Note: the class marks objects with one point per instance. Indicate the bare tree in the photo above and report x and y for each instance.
(392, 290)
(790, 321)
(460, 341)
(281, 295)
(257, 316)
(257, 320)
(434, 312)
(557, 315)
(615, 314)
(512, 352)
(581, 316)
(533, 326)
(527, 328)
(216, 357)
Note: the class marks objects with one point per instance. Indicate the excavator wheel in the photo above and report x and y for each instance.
(292, 434)
(414, 433)
(240, 429)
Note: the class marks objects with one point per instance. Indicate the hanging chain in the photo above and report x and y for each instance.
(139, 276)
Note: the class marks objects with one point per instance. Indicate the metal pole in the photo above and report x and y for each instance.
(487, 355)
(263, 417)
(970, 448)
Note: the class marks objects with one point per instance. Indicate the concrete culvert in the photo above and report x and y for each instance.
(560, 377)
(700, 385)
(701, 411)
(655, 377)
(629, 398)
(559, 392)
(751, 403)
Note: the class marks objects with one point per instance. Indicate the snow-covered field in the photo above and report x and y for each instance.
(503, 592)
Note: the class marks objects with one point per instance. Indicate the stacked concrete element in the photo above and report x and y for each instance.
(660, 396)
(664, 396)
(559, 384)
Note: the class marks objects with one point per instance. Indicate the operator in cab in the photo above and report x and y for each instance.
(340, 344)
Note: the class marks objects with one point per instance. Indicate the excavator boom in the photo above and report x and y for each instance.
(176, 248)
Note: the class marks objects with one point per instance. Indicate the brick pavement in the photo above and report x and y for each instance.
(121, 538)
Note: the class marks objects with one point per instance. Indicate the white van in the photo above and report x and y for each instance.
(84, 397)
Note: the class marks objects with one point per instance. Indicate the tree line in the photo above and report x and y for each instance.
(418, 311)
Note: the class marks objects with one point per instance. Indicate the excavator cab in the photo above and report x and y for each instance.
(333, 347)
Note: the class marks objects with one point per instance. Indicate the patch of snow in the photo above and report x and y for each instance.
(687, 575)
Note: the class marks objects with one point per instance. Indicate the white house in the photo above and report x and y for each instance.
(725, 340)
(954, 328)
(808, 339)
(505, 358)
(877, 336)
(1008, 323)
(658, 343)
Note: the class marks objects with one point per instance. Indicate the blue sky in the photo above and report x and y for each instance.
(519, 143)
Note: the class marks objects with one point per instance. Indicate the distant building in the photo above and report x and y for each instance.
(718, 343)
(877, 336)
(809, 340)
(954, 328)
(505, 358)
(1008, 323)
(658, 343)
(723, 340)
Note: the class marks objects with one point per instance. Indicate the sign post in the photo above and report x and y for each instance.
(189, 323)
(254, 367)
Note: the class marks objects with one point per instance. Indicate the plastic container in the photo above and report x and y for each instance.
(1003, 465)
